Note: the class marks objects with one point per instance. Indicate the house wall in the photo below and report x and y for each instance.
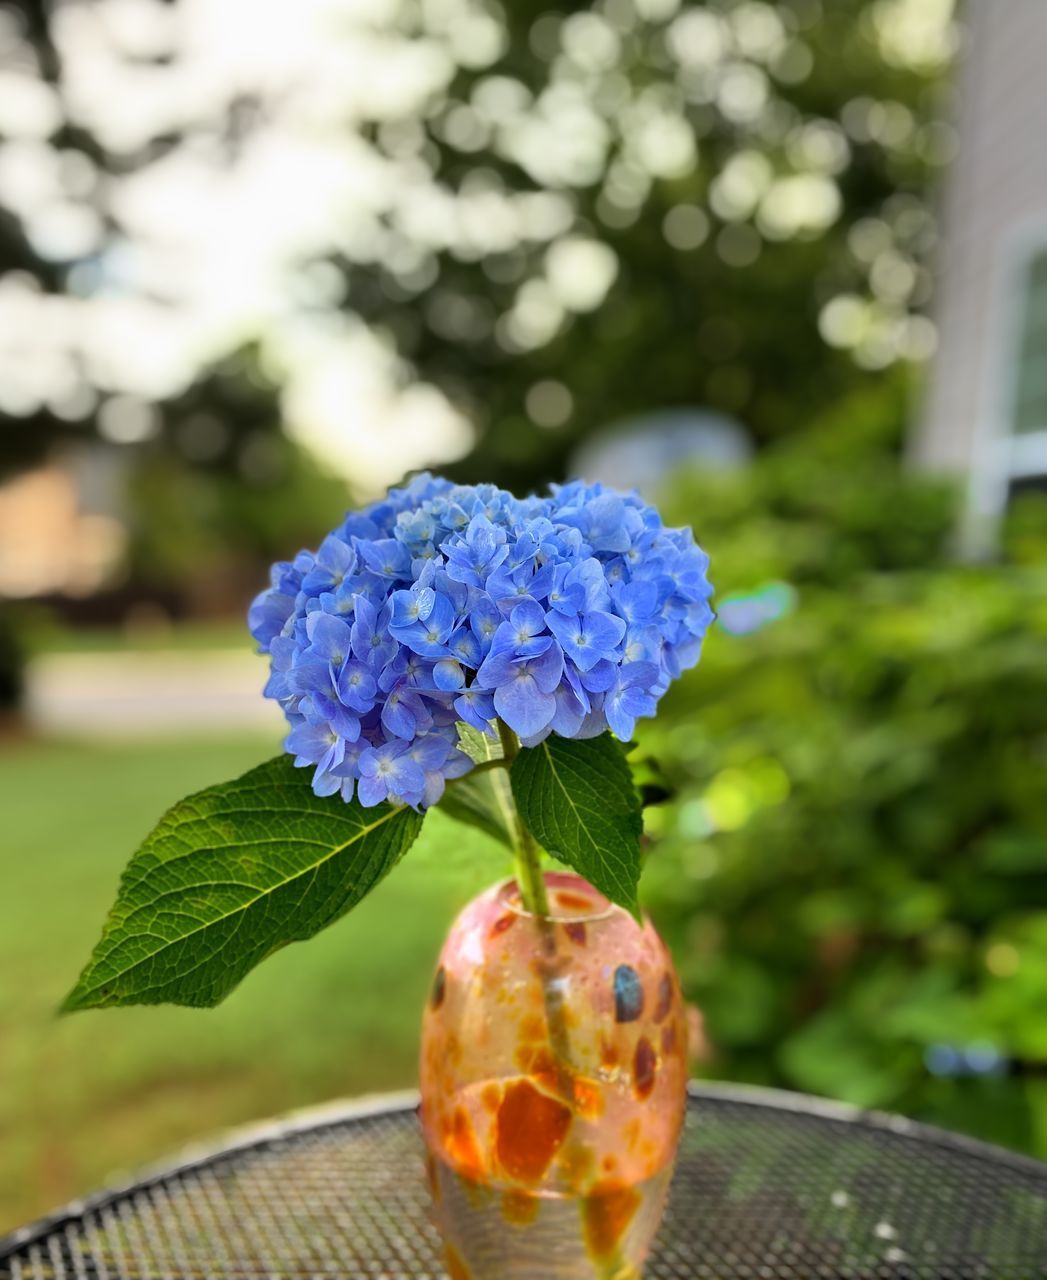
(995, 212)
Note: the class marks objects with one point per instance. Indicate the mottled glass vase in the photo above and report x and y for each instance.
(553, 1087)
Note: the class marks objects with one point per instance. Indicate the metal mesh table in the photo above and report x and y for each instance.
(769, 1186)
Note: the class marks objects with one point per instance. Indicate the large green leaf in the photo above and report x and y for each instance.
(230, 875)
(475, 799)
(577, 798)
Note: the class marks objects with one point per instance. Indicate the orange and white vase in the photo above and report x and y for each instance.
(553, 1080)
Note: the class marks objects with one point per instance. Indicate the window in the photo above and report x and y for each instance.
(1028, 410)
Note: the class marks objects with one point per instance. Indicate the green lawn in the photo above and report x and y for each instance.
(45, 636)
(85, 1097)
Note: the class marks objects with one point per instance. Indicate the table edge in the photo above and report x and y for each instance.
(242, 1138)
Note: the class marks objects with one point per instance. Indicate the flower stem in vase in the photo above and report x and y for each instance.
(550, 967)
(535, 901)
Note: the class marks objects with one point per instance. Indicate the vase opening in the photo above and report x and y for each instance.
(572, 900)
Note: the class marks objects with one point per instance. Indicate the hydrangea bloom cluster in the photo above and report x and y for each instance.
(565, 614)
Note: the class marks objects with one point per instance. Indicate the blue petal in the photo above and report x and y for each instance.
(311, 677)
(448, 675)
(528, 616)
(605, 631)
(621, 723)
(371, 791)
(547, 668)
(476, 708)
(465, 647)
(601, 677)
(398, 719)
(569, 712)
(523, 706)
(308, 741)
(329, 636)
(495, 669)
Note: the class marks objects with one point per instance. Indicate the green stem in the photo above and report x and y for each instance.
(526, 853)
(531, 883)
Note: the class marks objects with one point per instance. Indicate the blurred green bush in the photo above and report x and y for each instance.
(850, 869)
(193, 524)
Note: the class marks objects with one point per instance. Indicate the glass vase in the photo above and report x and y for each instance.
(553, 1081)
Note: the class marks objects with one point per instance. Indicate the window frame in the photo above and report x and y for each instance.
(1001, 455)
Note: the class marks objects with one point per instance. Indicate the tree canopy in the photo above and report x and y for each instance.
(555, 216)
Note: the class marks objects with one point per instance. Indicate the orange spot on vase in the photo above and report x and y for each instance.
(605, 1215)
(609, 1056)
(491, 1096)
(502, 924)
(588, 1098)
(573, 901)
(576, 932)
(645, 1063)
(456, 1267)
(531, 1127)
(462, 1148)
(665, 998)
(519, 1207)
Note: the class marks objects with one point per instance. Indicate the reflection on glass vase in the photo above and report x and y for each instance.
(553, 1087)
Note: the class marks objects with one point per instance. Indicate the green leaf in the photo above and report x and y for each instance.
(474, 801)
(478, 746)
(230, 875)
(577, 798)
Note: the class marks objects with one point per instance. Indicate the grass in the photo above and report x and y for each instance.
(86, 1097)
(45, 637)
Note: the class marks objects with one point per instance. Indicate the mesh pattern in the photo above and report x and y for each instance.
(761, 1192)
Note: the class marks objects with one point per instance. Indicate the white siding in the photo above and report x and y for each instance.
(995, 210)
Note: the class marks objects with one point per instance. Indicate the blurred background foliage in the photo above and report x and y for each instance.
(731, 197)
(815, 153)
(851, 866)
(256, 262)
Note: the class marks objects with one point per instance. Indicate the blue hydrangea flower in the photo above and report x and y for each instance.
(449, 604)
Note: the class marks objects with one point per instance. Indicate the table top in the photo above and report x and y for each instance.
(768, 1186)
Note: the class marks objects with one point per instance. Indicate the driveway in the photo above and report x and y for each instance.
(113, 695)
